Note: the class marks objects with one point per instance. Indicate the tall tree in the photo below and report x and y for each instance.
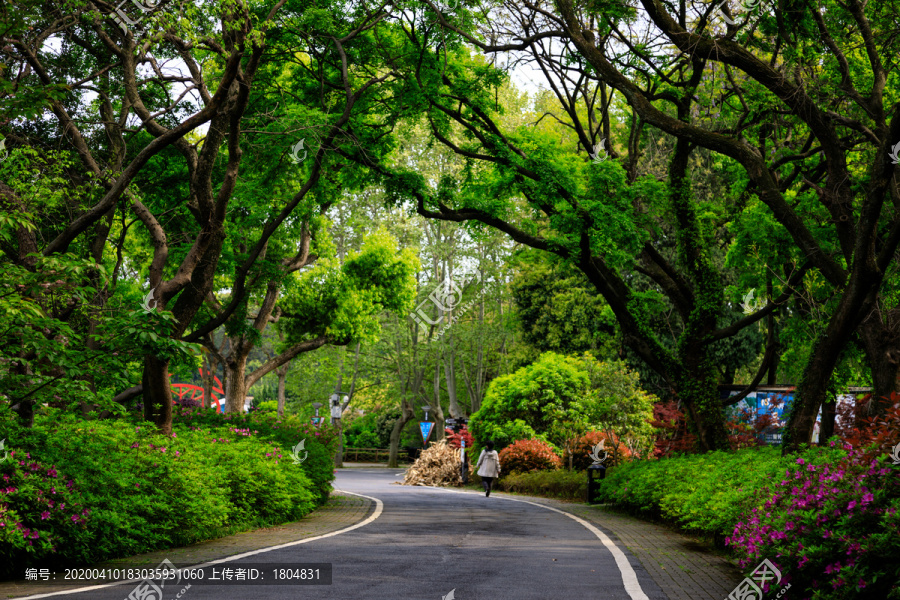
(117, 104)
(747, 92)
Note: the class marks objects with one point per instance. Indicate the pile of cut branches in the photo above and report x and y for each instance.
(437, 465)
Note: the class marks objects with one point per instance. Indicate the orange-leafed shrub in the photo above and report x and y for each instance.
(581, 459)
(523, 456)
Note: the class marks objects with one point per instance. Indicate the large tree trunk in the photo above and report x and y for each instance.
(406, 416)
(881, 342)
(699, 392)
(449, 355)
(771, 338)
(437, 413)
(157, 393)
(236, 388)
(816, 379)
(695, 376)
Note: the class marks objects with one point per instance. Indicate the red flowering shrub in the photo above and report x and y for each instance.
(831, 528)
(672, 435)
(875, 435)
(41, 512)
(529, 455)
(454, 438)
(581, 459)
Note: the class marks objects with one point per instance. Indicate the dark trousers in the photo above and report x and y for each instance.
(486, 482)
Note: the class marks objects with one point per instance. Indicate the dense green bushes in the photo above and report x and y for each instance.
(704, 492)
(558, 399)
(286, 432)
(828, 518)
(371, 430)
(90, 491)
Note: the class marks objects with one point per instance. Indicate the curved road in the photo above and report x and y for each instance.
(426, 542)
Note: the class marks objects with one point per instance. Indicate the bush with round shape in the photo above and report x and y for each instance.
(523, 456)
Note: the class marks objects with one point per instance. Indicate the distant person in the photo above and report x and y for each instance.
(489, 461)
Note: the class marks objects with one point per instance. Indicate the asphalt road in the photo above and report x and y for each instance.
(422, 543)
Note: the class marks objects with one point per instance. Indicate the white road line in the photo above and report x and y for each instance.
(379, 508)
(629, 577)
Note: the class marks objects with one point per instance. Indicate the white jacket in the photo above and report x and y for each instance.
(489, 461)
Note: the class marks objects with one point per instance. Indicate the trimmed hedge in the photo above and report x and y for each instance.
(708, 493)
(287, 432)
(84, 492)
(561, 484)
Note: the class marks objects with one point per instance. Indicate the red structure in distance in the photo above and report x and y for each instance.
(216, 399)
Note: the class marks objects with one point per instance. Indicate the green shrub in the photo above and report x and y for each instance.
(708, 493)
(287, 432)
(562, 484)
(143, 491)
(560, 398)
(360, 432)
(523, 456)
(518, 405)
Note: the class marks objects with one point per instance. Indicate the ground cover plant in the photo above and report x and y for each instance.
(80, 492)
(561, 484)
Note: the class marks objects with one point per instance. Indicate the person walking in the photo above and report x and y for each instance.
(489, 463)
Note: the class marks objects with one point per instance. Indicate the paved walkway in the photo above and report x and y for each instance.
(682, 566)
